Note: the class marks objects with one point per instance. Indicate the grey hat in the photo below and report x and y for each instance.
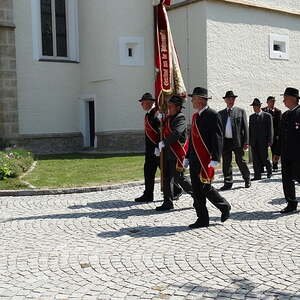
(256, 102)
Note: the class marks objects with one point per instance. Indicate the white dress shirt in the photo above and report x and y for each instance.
(228, 128)
(202, 110)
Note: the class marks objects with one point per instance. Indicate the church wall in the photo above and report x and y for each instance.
(47, 93)
(117, 87)
(188, 25)
(8, 91)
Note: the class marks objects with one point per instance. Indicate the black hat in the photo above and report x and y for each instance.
(291, 92)
(147, 96)
(177, 100)
(256, 102)
(230, 94)
(201, 92)
(271, 98)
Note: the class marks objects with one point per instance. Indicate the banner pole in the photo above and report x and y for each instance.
(162, 101)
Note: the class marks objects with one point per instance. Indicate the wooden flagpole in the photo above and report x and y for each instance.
(161, 138)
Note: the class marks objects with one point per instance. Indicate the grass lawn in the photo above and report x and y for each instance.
(75, 170)
(12, 184)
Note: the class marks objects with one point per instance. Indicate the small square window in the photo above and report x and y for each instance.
(279, 47)
(131, 51)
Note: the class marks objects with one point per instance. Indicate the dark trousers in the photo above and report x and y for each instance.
(274, 150)
(290, 171)
(174, 181)
(150, 167)
(201, 192)
(227, 162)
(260, 159)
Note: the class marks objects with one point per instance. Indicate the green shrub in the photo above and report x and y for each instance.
(13, 162)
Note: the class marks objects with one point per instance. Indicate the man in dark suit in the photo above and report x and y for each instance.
(289, 147)
(261, 138)
(204, 154)
(174, 146)
(235, 130)
(276, 114)
(151, 126)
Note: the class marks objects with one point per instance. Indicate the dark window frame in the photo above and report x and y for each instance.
(58, 54)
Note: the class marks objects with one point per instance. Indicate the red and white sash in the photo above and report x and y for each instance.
(178, 149)
(207, 173)
(150, 132)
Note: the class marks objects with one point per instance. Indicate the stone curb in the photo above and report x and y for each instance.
(39, 192)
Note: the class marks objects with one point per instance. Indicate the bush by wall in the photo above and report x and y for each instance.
(14, 161)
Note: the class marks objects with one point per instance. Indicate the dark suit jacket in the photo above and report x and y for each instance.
(276, 114)
(149, 146)
(210, 127)
(179, 133)
(289, 135)
(261, 129)
(240, 134)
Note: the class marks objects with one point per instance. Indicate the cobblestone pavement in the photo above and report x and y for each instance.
(103, 245)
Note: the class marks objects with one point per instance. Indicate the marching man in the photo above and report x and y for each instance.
(174, 146)
(204, 153)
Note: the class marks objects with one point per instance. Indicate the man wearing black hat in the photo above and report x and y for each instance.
(151, 125)
(276, 115)
(289, 147)
(174, 146)
(204, 154)
(235, 130)
(261, 138)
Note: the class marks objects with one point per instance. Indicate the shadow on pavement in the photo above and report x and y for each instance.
(149, 231)
(120, 214)
(240, 287)
(144, 231)
(107, 204)
(258, 215)
(277, 201)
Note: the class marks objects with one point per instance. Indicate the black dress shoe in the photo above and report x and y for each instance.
(198, 224)
(165, 206)
(255, 178)
(289, 209)
(225, 214)
(144, 198)
(226, 187)
(247, 184)
(269, 175)
(178, 195)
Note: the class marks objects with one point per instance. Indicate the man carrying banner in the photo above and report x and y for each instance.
(151, 125)
(204, 153)
(174, 146)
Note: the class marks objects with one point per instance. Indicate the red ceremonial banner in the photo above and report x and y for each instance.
(169, 78)
(163, 82)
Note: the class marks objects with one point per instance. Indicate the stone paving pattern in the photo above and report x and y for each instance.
(103, 245)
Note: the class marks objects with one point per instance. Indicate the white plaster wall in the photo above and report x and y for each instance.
(47, 91)
(238, 54)
(188, 26)
(116, 87)
(279, 4)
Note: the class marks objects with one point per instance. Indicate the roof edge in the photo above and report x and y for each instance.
(240, 3)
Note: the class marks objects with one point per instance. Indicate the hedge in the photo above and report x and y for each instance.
(14, 162)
